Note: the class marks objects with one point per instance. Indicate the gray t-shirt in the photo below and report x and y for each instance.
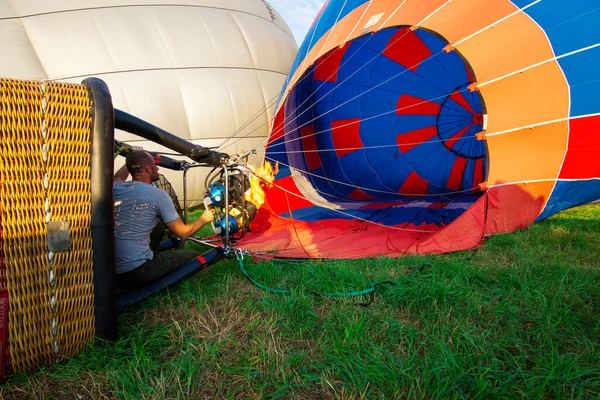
(138, 208)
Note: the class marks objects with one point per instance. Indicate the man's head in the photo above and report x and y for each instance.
(142, 167)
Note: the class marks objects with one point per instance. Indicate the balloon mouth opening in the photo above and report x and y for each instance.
(389, 118)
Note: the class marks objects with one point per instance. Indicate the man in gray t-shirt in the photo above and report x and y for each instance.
(139, 208)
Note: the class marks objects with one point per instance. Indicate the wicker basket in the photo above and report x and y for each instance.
(55, 158)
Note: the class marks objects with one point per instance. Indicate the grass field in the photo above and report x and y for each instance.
(517, 318)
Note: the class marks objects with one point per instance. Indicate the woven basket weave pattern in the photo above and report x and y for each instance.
(45, 176)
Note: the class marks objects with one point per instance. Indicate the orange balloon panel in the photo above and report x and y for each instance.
(527, 154)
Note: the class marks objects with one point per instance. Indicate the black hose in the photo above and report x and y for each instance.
(129, 123)
(162, 160)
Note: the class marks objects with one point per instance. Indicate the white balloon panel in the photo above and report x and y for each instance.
(200, 69)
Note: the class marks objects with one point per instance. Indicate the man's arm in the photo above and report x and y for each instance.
(184, 231)
(121, 175)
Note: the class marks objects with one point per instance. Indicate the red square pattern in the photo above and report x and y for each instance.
(346, 136)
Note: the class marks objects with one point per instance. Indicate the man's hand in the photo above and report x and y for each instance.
(207, 216)
(184, 231)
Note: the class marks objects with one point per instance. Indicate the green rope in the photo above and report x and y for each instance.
(363, 292)
(268, 289)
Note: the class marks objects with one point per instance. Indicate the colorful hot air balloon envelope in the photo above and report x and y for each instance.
(418, 126)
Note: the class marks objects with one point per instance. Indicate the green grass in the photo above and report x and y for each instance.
(517, 318)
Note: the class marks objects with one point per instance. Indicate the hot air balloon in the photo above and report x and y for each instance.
(200, 69)
(420, 126)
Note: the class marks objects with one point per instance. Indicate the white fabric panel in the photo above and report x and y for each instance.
(268, 48)
(219, 103)
(12, 8)
(19, 59)
(200, 69)
(137, 38)
(7, 10)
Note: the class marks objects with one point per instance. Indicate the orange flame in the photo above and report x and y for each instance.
(260, 180)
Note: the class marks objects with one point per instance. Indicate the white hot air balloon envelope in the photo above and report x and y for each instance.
(200, 69)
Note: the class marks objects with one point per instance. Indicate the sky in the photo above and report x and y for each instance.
(298, 14)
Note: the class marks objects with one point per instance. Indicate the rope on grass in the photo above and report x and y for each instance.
(239, 254)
